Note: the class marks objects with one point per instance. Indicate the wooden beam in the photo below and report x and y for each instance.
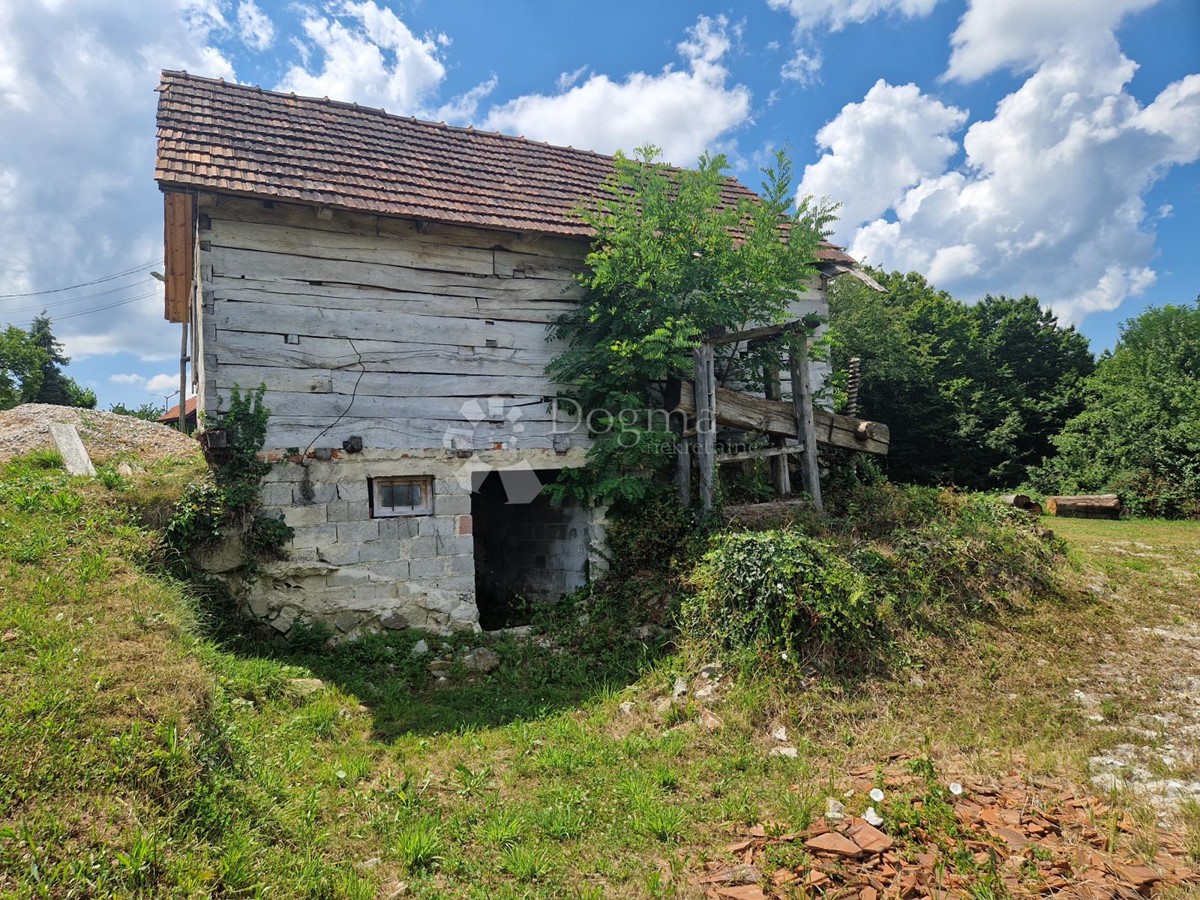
(704, 401)
(683, 471)
(802, 401)
(750, 413)
(754, 334)
(764, 453)
(781, 478)
(178, 248)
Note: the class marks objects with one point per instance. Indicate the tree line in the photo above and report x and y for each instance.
(31, 363)
(999, 394)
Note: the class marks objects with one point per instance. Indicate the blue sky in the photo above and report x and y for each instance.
(1005, 146)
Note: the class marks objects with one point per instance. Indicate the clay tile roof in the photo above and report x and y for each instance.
(172, 414)
(238, 139)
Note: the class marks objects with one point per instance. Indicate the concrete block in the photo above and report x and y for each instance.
(338, 554)
(456, 545)
(353, 490)
(381, 551)
(275, 495)
(389, 570)
(452, 505)
(321, 493)
(456, 584)
(314, 536)
(398, 528)
(299, 516)
(421, 547)
(75, 456)
(358, 532)
(463, 565)
(428, 568)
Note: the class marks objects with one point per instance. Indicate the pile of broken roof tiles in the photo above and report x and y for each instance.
(1009, 837)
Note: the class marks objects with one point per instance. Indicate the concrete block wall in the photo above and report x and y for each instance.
(354, 572)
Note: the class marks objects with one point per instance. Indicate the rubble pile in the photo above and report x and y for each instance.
(1004, 837)
(107, 436)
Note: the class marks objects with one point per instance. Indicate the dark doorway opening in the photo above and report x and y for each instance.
(528, 551)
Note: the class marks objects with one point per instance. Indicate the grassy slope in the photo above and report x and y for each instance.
(136, 757)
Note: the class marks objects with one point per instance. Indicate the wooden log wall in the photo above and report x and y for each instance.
(390, 325)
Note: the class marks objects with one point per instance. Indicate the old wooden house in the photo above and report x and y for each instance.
(390, 281)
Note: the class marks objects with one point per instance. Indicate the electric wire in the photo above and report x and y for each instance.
(72, 287)
(59, 304)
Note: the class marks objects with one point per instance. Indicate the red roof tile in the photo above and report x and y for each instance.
(172, 414)
(244, 140)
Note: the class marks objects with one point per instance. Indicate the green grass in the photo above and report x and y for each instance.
(146, 752)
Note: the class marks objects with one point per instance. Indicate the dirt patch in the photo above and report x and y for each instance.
(106, 435)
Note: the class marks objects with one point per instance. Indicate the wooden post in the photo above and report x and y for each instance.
(705, 384)
(683, 470)
(183, 362)
(802, 401)
(780, 476)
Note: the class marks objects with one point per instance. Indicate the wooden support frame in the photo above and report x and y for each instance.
(705, 397)
(802, 400)
(764, 453)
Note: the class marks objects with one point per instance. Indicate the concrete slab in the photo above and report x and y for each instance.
(70, 447)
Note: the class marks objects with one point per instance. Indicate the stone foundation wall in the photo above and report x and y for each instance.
(355, 572)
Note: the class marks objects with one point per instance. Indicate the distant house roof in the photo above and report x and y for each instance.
(172, 414)
(236, 139)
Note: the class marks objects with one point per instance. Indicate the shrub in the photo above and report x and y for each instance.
(897, 559)
(776, 591)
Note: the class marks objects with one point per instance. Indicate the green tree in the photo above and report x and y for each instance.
(973, 394)
(1139, 434)
(31, 369)
(676, 253)
(20, 363)
(150, 412)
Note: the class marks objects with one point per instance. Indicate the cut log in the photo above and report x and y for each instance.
(1085, 506)
(1034, 509)
(778, 417)
(1020, 501)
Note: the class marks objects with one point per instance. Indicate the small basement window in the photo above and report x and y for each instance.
(407, 496)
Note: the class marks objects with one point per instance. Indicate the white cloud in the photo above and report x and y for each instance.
(162, 384)
(1049, 199)
(683, 111)
(255, 27)
(370, 56)
(995, 34)
(837, 14)
(127, 378)
(803, 68)
(77, 81)
(461, 110)
(895, 138)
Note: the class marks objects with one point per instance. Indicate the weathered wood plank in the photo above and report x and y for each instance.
(236, 263)
(764, 453)
(802, 401)
(738, 410)
(178, 249)
(285, 431)
(281, 318)
(232, 209)
(706, 426)
(267, 237)
(328, 296)
(256, 349)
(517, 410)
(352, 379)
